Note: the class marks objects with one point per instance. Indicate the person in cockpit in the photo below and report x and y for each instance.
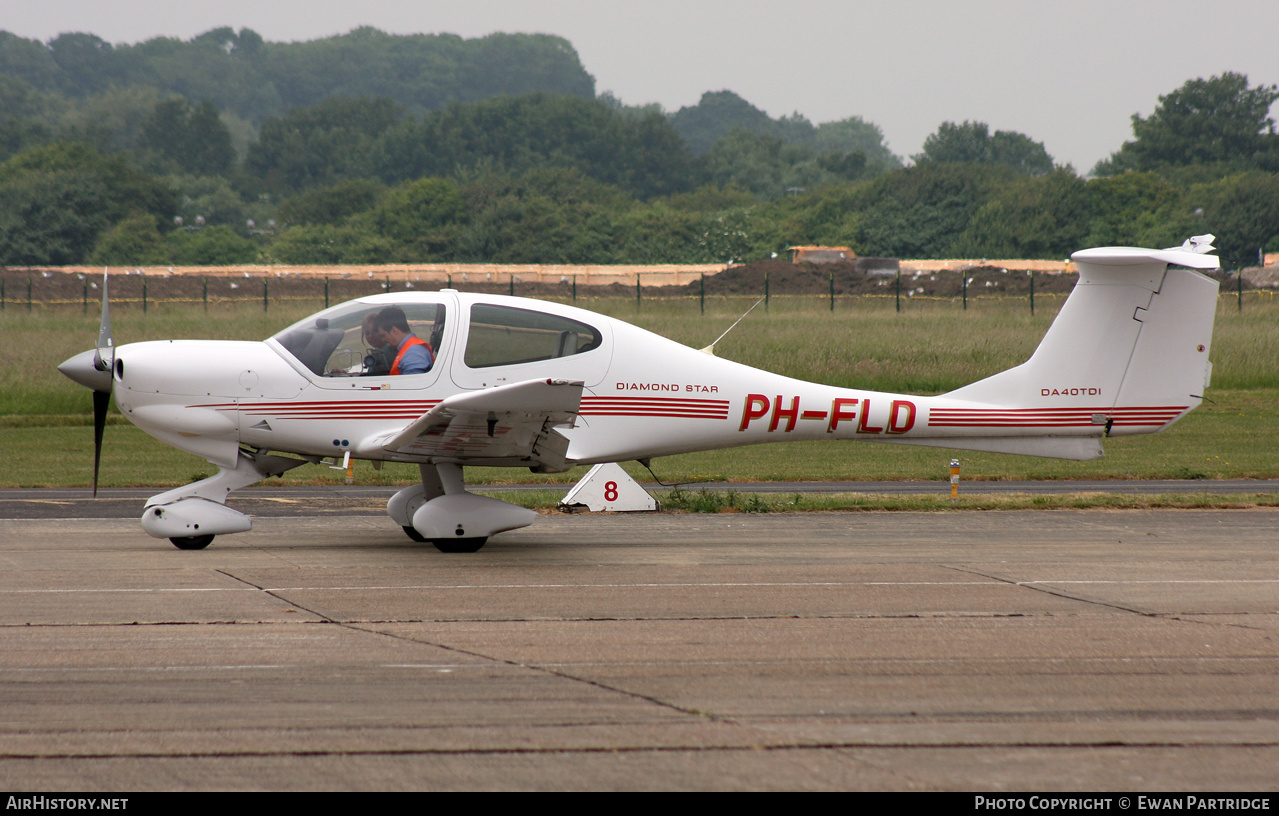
(412, 354)
(378, 361)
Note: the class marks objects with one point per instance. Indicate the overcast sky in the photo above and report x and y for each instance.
(1068, 74)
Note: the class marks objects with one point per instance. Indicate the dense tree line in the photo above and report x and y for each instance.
(254, 79)
(371, 148)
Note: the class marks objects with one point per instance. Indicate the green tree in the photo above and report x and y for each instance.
(919, 211)
(51, 217)
(657, 233)
(512, 135)
(711, 197)
(771, 168)
(973, 142)
(549, 215)
(23, 117)
(259, 80)
(1020, 152)
(1137, 209)
(127, 189)
(135, 241)
(321, 145)
(211, 246)
(189, 138)
(88, 63)
(749, 161)
(825, 216)
(653, 160)
(57, 198)
(112, 120)
(969, 142)
(809, 156)
(331, 244)
(847, 166)
(517, 64)
(856, 135)
(726, 236)
(30, 61)
(210, 66)
(1044, 217)
(1205, 121)
(331, 205)
(211, 198)
(717, 114)
(610, 101)
(1243, 212)
(421, 219)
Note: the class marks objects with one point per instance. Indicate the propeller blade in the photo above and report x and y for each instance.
(104, 359)
(101, 399)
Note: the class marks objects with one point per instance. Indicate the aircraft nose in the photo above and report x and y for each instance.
(80, 369)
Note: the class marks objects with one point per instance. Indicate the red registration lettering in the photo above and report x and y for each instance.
(791, 413)
(901, 416)
(838, 413)
(862, 427)
(756, 406)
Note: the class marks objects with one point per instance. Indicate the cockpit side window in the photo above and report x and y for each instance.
(339, 344)
(503, 335)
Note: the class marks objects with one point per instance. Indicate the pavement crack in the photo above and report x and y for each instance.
(787, 745)
(272, 593)
(535, 667)
(1180, 617)
(1035, 586)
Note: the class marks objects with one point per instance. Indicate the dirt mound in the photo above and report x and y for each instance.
(1262, 278)
(785, 278)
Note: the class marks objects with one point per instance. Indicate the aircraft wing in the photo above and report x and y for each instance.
(506, 425)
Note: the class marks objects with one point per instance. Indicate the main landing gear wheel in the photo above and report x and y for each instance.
(414, 534)
(458, 545)
(192, 542)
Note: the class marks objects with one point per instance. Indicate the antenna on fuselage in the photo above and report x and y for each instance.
(711, 348)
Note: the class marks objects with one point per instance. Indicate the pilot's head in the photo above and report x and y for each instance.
(392, 318)
(374, 337)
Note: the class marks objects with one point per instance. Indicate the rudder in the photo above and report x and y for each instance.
(1131, 342)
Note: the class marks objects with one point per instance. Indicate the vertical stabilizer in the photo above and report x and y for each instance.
(1131, 342)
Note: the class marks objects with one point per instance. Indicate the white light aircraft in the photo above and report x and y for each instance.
(524, 383)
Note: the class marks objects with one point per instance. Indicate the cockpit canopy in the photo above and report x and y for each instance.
(337, 342)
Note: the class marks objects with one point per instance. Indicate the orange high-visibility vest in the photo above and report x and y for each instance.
(412, 341)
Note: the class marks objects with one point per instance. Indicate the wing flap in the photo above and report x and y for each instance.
(508, 424)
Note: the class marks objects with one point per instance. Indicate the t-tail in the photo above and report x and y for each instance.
(1127, 354)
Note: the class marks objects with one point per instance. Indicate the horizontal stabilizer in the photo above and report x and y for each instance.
(1134, 256)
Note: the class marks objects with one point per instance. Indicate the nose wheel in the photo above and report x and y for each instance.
(458, 545)
(448, 545)
(192, 542)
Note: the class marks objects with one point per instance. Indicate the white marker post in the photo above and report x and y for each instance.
(608, 488)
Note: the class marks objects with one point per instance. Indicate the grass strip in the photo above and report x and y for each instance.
(731, 501)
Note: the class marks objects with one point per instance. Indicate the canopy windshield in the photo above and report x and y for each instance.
(339, 342)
